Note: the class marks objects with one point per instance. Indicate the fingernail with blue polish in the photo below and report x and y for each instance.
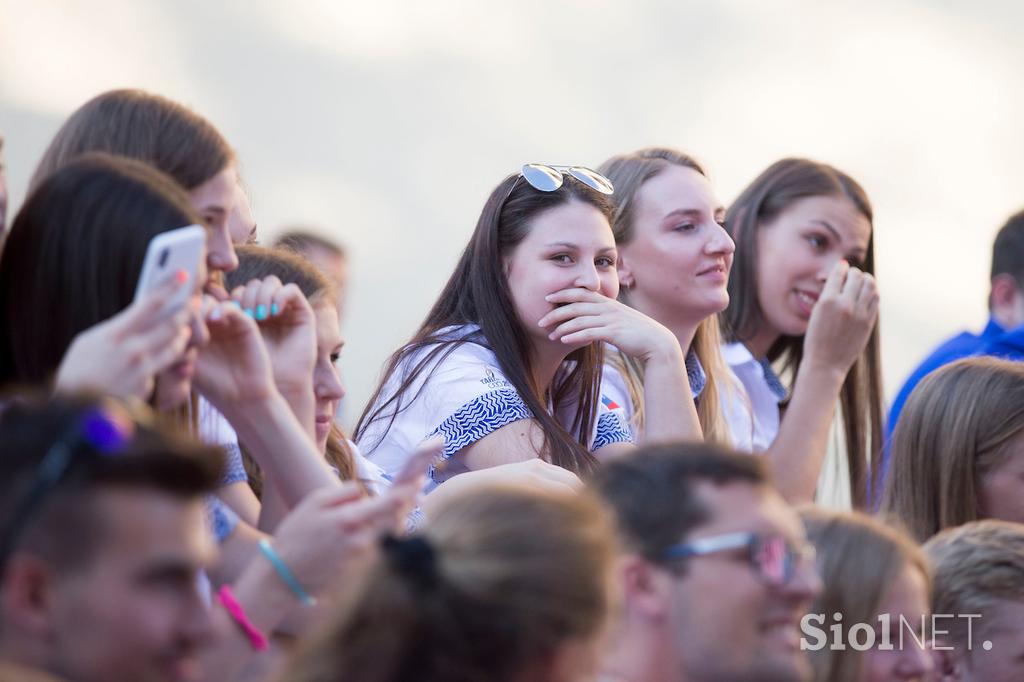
(236, 304)
(261, 312)
(248, 312)
(273, 309)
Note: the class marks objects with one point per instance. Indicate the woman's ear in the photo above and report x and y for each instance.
(624, 271)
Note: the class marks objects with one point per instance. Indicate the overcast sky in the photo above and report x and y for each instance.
(387, 123)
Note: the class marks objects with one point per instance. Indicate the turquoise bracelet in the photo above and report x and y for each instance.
(286, 573)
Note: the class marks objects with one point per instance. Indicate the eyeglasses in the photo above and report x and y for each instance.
(547, 178)
(773, 557)
(95, 432)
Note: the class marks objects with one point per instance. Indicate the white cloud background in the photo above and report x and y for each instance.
(387, 123)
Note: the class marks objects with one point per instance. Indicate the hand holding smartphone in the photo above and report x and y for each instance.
(168, 253)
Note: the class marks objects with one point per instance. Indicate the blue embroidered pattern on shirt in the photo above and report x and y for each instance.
(610, 429)
(234, 469)
(773, 381)
(479, 417)
(221, 518)
(695, 374)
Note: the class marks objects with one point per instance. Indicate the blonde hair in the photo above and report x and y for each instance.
(501, 579)
(628, 172)
(859, 559)
(953, 430)
(975, 567)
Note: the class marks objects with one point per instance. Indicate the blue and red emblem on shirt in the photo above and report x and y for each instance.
(609, 403)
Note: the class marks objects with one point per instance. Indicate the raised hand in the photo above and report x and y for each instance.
(122, 355)
(842, 319)
(288, 326)
(588, 316)
(234, 367)
(332, 528)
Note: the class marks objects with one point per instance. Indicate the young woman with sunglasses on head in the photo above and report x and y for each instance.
(802, 293)
(674, 262)
(507, 365)
(257, 264)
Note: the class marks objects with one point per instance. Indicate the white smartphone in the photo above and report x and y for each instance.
(168, 252)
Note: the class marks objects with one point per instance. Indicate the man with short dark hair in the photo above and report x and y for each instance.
(1006, 314)
(716, 574)
(102, 538)
(978, 595)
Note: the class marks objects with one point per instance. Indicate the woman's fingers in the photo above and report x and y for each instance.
(165, 355)
(572, 310)
(852, 286)
(576, 295)
(150, 308)
(287, 298)
(834, 284)
(263, 304)
(248, 299)
(586, 336)
(575, 325)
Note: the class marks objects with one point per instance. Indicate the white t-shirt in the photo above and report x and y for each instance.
(463, 396)
(615, 393)
(752, 409)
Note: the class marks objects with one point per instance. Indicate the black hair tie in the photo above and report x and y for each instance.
(412, 558)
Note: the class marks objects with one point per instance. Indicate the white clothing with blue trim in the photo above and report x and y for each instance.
(751, 409)
(615, 394)
(463, 396)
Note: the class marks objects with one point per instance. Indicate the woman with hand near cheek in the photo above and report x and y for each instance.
(260, 265)
(497, 368)
(674, 262)
(802, 293)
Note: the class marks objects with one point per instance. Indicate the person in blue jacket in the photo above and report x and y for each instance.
(1003, 336)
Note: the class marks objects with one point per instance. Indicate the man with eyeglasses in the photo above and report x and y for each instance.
(102, 536)
(716, 571)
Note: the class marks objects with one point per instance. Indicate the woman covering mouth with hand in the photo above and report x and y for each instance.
(507, 365)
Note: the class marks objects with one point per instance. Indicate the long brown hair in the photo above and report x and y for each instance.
(74, 255)
(629, 172)
(954, 429)
(859, 559)
(501, 579)
(257, 262)
(141, 126)
(478, 293)
(771, 193)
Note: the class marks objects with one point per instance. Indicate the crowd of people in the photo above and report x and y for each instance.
(597, 458)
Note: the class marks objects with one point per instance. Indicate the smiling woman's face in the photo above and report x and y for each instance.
(677, 263)
(797, 251)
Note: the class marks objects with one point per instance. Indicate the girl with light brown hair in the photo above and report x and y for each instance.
(876, 576)
(673, 266)
(957, 454)
(506, 584)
